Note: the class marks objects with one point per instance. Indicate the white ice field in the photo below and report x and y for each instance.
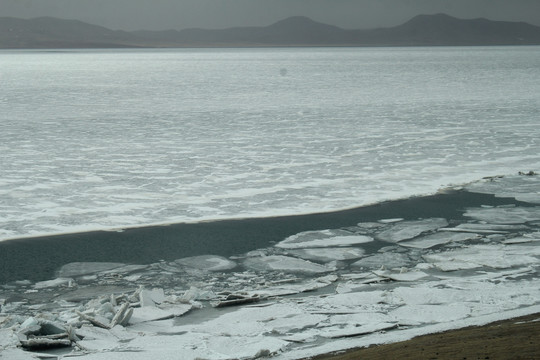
(313, 292)
(93, 140)
(195, 135)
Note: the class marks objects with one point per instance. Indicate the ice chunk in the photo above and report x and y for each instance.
(356, 319)
(246, 321)
(284, 263)
(234, 300)
(410, 229)
(54, 283)
(253, 347)
(489, 228)
(370, 225)
(122, 316)
(428, 294)
(30, 325)
(147, 313)
(195, 293)
(282, 289)
(390, 221)
(355, 330)
(296, 322)
(197, 346)
(354, 324)
(494, 256)
(401, 276)
(526, 238)
(8, 338)
(84, 268)
(151, 297)
(97, 339)
(358, 285)
(387, 260)
(348, 303)
(324, 238)
(428, 241)
(505, 215)
(328, 254)
(207, 262)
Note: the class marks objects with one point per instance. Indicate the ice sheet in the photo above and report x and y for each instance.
(81, 153)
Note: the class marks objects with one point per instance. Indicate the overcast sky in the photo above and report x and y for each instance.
(179, 14)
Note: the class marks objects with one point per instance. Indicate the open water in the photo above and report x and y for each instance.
(109, 139)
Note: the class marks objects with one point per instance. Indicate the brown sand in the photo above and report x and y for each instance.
(510, 339)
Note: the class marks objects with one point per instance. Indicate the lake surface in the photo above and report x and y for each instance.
(94, 140)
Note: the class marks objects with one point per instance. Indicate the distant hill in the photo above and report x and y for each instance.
(422, 30)
(47, 32)
(442, 29)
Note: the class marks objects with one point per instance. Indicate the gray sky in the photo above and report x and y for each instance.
(179, 14)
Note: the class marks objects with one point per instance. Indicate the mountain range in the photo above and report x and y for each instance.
(422, 30)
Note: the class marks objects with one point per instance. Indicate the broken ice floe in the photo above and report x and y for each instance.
(324, 238)
(409, 229)
(389, 260)
(207, 262)
(429, 241)
(483, 228)
(531, 237)
(284, 263)
(505, 215)
(401, 275)
(328, 254)
(492, 256)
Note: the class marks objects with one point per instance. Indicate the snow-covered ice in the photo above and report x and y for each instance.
(80, 153)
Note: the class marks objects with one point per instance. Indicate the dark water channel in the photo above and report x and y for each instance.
(39, 258)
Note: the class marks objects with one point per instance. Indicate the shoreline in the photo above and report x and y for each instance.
(500, 339)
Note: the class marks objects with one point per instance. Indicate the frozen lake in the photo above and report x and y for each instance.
(95, 140)
(106, 140)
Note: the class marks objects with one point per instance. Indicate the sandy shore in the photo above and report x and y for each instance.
(509, 339)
